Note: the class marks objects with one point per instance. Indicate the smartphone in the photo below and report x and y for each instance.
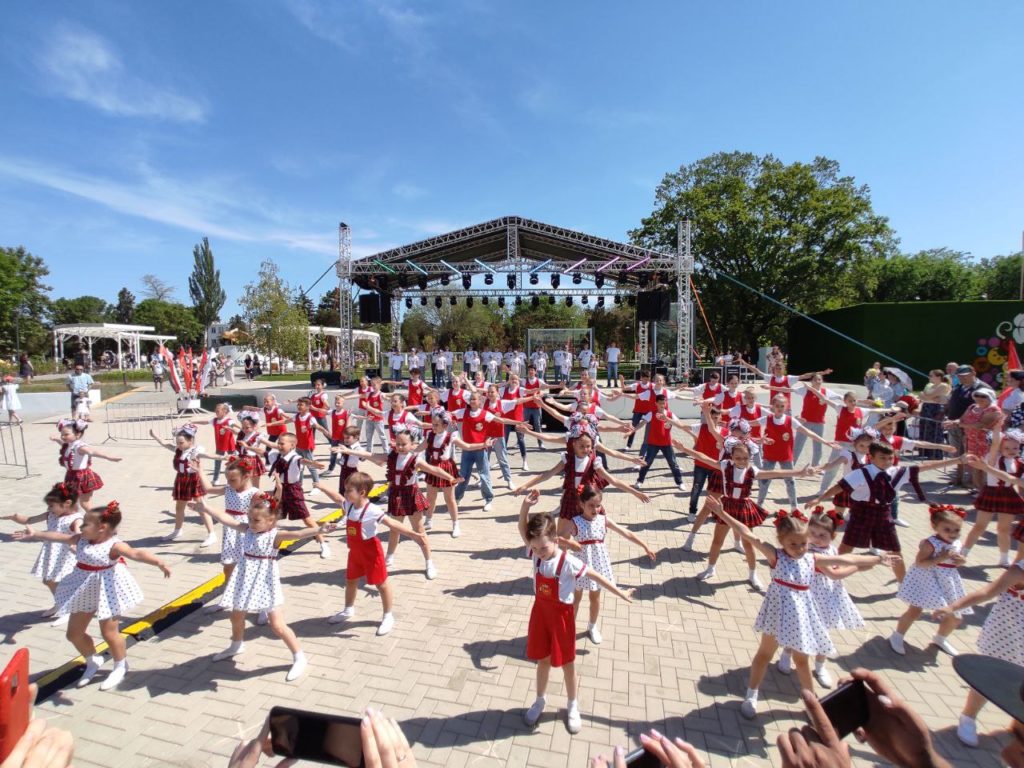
(641, 758)
(15, 702)
(330, 739)
(847, 707)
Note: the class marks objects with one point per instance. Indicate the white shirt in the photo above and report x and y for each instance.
(370, 517)
(449, 356)
(585, 357)
(791, 381)
(1015, 398)
(540, 360)
(438, 440)
(572, 569)
(294, 472)
(492, 364)
(612, 353)
(861, 492)
(396, 360)
(738, 476)
(650, 394)
(441, 362)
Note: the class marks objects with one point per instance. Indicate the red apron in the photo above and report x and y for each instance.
(552, 630)
(365, 556)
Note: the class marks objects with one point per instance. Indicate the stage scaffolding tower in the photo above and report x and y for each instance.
(346, 350)
(684, 305)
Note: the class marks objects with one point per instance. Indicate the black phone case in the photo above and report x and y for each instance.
(847, 707)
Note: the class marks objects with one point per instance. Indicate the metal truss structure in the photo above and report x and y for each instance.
(509, 250)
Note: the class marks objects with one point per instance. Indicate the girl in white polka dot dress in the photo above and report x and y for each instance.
(56, 559)
(788, 616)
(1002, 636)
(933, 581)
(589, 528)
(100, 586)
(255, 583)
(238, 495)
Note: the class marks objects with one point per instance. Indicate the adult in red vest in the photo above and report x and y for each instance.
(812, 415)
(534, 385)
(780, 430)
(514, 393)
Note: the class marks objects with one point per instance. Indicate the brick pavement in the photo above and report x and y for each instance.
(453, 671)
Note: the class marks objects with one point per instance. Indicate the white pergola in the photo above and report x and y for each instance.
(132, 335)
(335, 333)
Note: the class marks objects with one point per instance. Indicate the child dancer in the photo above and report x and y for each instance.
(286, 468)
(251, 445)
(99, 586)
(738, 475)
(56, 560)
(498, 431)
(365, 554)
(76, 458)
(338, 420)
(780, 430)
(852, 458)
(706, 443)
(438, 443)
(829, 593)
(551, 637)
(9, 401)
(933, 581)
(238, 495)
(83, 407)
(224, 438)
(887, 434)
(997, 497)
(404, 496)
(255, 584)
(349, 463)
(186, 479)
(274, 417)
(580, 466)
(658, 439)
(306, 427)
(1002, 635)
(589, 528)
(789, 616)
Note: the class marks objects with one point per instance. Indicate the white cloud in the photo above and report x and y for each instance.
(82, 66)
(408, 191)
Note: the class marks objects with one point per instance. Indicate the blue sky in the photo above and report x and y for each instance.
(131, 130)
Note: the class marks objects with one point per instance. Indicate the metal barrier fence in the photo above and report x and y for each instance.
(12, 447)
(133, 421)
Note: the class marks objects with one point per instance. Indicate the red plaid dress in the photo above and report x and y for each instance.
(79, 473)
(574, 482)
(244, 445)
(186, 480)
(404, 495)
(741, 507)
(434, 459)
(999, 497)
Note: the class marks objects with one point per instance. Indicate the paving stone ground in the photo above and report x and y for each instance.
(454, 671)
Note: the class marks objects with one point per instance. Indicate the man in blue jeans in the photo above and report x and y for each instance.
(611, 360)
(474, 430)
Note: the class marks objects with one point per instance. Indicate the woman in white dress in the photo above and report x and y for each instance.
(9, 400)
(589, 528)
(255, 583)
(100, 585)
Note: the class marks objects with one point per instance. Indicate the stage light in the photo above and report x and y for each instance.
(623, 275)
(488, 279)
(423, 301)
(519, 301)
(437, 301)
(469, 301)
(534, 279)
(618, 299)
(555, 280)
(631, 300)
(511, 280)
(501, 301)
(568, 301)
(599, 280)
(467, 280)
(408, 303)
(486, 301)
(453, 301)
(585, 299)
(600, 301)
(577, 278)
(445, 280)
(535, 301)
(422, 283)
(551, 299)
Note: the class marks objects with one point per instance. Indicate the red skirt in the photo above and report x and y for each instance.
(715, 482)
(551, 632)
(293, 502)
(744, 510)
(83, 480)
(1003, 499)
(259, 469)
(570, 505)
(186, 487)
(1018, 531)
(439, 482)
(405, 500)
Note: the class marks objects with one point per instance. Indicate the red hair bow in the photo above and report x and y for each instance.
(835, 517)
(270, 499)
(109, 510)
(245, 464)
(782, 514)
(958, 511)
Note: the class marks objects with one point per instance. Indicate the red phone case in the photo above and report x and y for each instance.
(15, 702)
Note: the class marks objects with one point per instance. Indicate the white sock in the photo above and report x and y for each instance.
(751, 574)
(897, 635)
(572, 704)
(236, 645)
(386, 615)
(591, 625)
(298, 655)
(428, 563)
(819, 664)
(752, 694)
(121, 663)
(96, 660)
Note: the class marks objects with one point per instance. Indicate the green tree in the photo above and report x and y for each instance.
(23, 302)
(204, 286)
(455, 327)
(124, 310)
(999, 276)
(939, 274)
(158, 289)
(305, 305)
(171, 318)
(276, 326)
(83, 309)
(791, 231)
(544, 315)
(615, 322)
(328, 311)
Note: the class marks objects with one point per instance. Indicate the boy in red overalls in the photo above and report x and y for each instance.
(551, 637)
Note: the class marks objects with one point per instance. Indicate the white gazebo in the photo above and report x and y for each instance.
(335, 333)
(131, 335)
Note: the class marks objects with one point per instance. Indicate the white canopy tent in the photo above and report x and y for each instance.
(131, 335)
(335, 333)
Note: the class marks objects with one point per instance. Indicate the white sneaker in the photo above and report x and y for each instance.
(430, 570)
(511, 485)
(532, 715)
(428, 524)
(209, 541)
(638, 485)
(386, 624)
(595, 634)
(755, 582)
(298, 667)
(487, 507)
(749, 708)
(325, 551)
(691, 518)
(823, 676)
(232, 650)
(707, 574)
(92, 666)
(785, 663)
(526, 467)
(213, 607)
(173, 535)
(943, 644)
(456, 530)
(688, 545)
(573, 721)
(389, 562)
(61, 621)
(681, 486)
(967, 731)
(115, 677)
(263, 619)
(49, 613)
(901, 522)
(896, 643)
(342, 616)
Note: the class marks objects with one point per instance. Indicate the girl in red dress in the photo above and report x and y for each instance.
(186, 479)
(997, 498)
(437, 446)
(249, 444)
(76, 458)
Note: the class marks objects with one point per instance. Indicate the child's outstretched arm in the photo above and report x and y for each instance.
(330, 493)
(924, 466)
(89, 450)
(26, 519)
(393, 524)
(764, 547)
(626, 534)
(774, 474)
(980, 464)
(1011, 577)
(603, 473)
(524, 514)
(537, 479)
(887, 558)
(61, 538)
(303, 533)
(229, 521)
(165, 443)
(813, 502)
(702, 457)
(122, 549)
(626, 594)
(540, 435)
(430, 469)
(619, 455)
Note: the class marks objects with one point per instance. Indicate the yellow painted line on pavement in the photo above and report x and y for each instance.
(119, 396)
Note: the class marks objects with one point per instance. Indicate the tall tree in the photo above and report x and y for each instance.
(276, 326)
(124, 310)
(999, 276)
(170, 318)
(328, 311)
(305, 305)
(158, 289)
(82, 309)
(938, 274)
(204, 285)
(789, 231)
(23, 301)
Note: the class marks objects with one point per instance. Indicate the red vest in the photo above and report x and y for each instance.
(223, 435)
(494, 428)
(318, 403)
(517, 412)
(434, 454)
(753, 416)
(782, 435)
(339, 420)
(415, 392)
(730, 401)
(274, 414)
(401, 418)
(531, 389)
(774, 383)
(813, 409)
(305, 435)
(474, 428)
(710, 391)
(457, 401)
(362, 396)
(729, 481)
(659, 432)
(643, 406)
(707, 445)
(845, 422)
(374, 399)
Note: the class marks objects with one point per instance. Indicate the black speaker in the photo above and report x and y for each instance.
(374, 307)
(653, 305)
